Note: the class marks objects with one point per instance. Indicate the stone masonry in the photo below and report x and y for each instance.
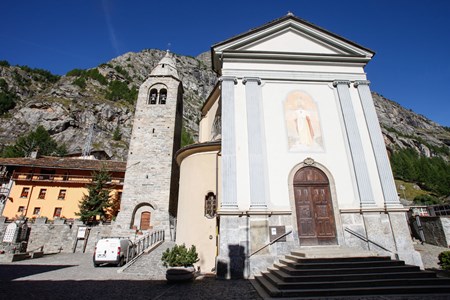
(151, 178)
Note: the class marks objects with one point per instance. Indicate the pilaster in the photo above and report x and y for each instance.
(378, 145)
(355, 144)
(256, 143)
(229, 183)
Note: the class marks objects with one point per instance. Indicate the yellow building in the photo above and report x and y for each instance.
(53, 187)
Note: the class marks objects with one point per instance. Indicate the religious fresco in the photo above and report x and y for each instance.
(302, 122)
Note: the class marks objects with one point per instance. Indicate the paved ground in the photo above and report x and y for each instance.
(72, 276)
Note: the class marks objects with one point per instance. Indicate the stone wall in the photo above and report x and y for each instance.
(59, 237)
(434, 230)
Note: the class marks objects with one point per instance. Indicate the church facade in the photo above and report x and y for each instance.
(289, 147)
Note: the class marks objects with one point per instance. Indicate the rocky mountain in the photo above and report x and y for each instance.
(104, 96)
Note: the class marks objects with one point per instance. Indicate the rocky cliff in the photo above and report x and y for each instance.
(69, 105)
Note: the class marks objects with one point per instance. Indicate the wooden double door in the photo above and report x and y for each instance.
(315, 217)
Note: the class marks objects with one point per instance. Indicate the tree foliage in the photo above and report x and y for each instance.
(37, 139)
(85, 74)
(98, 201)
(47, 75)
(7, 98)
(432, 174)
(118, 90)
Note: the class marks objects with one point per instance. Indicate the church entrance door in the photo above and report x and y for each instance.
(315, 217)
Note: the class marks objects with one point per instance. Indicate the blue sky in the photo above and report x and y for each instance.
(411, 38)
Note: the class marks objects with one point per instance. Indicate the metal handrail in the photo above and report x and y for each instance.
(140, 245)
(370, 241)
(267, 245)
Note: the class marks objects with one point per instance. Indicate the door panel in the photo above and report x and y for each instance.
(315, 217)
(145, 220)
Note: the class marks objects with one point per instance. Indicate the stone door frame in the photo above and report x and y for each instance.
(309, 162)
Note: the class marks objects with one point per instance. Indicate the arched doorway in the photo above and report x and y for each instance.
(315, 217)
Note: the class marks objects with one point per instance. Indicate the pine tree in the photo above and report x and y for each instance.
(97, 202)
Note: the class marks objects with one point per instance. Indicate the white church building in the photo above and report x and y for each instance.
(289, 142)
(290, 147)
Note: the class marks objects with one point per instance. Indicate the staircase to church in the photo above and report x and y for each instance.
(301, 275)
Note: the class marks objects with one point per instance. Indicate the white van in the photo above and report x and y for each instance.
(113, 251)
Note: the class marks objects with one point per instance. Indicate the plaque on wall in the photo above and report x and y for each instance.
(277, 231)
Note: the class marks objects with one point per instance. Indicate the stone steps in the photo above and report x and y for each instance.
(306, 274)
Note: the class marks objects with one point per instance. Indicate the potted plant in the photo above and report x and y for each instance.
(179, 261)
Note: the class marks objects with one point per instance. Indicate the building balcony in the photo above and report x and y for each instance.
(60, 178)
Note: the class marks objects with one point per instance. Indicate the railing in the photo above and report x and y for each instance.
(267, 245)
(143, 243)
(60, 178)
(370, 241)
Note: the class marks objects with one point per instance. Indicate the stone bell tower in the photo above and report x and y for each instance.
(150, 189)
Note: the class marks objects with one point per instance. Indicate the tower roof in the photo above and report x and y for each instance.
(166, 67)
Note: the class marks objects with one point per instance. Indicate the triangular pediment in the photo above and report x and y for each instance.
(293, 41)
(293, 36)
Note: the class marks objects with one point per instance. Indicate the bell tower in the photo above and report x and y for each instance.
(150, 189)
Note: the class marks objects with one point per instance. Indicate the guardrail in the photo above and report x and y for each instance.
(267, 245)
(143, 243)
(354, 233)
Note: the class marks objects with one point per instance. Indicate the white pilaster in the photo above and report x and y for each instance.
(378, 145)
(356, 148)
(256, 143)
(229, 183)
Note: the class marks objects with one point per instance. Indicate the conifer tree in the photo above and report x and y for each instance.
(97, 202)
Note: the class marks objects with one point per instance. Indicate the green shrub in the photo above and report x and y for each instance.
(444, 260)
(4, 63)
(47, 75)
(426, 200)
(6, 102)
(118, 90)
(180, 256)
(92, 73)
(117, 135)
(80, 81)
(76, 72)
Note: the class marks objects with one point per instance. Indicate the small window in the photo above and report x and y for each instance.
(42, 193)
(25, 192)
(21, 209)
(153, 96)
(36, 211)
(57, 212)
(62, 195)
(210, 205)
(162, 96)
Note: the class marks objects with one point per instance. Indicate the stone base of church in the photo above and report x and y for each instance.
(241, 236)
(388, 234)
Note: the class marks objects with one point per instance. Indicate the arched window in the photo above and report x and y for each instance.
(210, 205)
(162, 96)
(153, 96)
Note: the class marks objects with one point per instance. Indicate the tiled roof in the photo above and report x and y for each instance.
(65, 163)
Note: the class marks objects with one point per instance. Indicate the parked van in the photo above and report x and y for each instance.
(113, 251)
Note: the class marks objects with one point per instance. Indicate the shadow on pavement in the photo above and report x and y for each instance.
(10, 272)
(208, 288)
